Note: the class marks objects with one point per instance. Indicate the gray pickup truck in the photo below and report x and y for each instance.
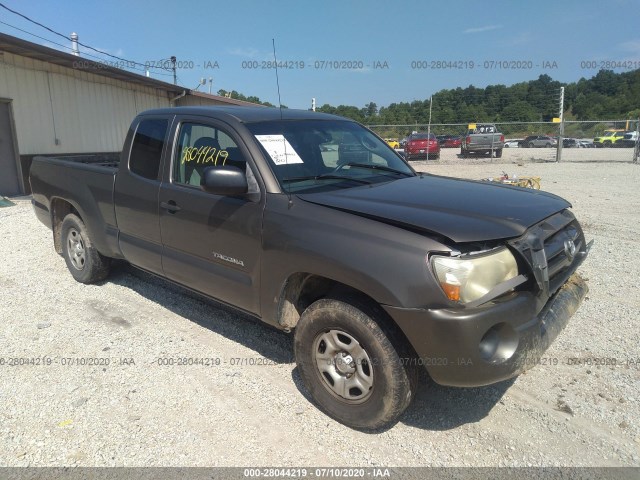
(482, 139)
(377, 270)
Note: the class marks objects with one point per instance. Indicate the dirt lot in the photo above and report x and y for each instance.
(93, 393)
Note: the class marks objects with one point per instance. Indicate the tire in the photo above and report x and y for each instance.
(530, 145)
(607, 144)
(84, 262)
(547, 145)
(499, 153)
(383, 381)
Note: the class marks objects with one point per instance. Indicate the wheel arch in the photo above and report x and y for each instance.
(59, 209)
(301, 289)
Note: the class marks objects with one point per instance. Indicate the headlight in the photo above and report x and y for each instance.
(469, 277)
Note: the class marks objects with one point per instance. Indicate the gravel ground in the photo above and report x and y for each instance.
(133, 412)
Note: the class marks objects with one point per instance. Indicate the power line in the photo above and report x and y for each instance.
(79, 43)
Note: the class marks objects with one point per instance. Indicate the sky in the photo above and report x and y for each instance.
(348, 52)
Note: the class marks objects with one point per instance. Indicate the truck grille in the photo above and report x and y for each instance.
(561, 254)
(553, 248)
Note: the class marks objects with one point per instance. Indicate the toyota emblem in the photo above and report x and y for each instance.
(569, 249)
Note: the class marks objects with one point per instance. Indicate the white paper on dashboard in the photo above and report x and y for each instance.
(279, 149)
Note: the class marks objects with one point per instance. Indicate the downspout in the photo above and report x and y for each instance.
(174, 99)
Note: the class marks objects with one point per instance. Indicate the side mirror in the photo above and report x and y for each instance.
(225, 180)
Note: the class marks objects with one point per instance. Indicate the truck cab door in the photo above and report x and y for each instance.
(211, 243)
(136, 192)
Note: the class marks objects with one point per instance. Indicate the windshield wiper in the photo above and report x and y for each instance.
(326, 176)
(372, 166)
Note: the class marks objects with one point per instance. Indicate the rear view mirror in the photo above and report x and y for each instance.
(224, 180)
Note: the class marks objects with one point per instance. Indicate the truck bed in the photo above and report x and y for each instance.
(86, 183)
(108, 161)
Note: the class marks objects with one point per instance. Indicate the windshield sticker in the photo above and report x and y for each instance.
(204, 155)
(279, 149)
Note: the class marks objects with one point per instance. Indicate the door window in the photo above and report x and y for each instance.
(203, 146)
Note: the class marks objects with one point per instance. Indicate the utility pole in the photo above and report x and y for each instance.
(636, 150)
(173, 67)
(210, 84)
(561, 133)
(429, 126)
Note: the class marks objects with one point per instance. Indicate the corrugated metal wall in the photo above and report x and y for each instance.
(87, 113)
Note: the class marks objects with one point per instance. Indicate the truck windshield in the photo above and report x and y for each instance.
(319, 155)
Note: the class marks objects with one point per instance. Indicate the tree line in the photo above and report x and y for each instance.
(606, 95)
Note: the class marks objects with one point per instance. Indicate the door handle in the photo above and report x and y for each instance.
(170, 206)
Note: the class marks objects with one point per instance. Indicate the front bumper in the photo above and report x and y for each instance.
(455, 346)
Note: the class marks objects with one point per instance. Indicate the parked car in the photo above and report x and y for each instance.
(514, 143)
(586, 144)
(608, 139)
(454, 141)
(376, 269)
(392, 143)
(571, 143)
(533, 141)
(422, 145)
(483, 139)
(629, 140)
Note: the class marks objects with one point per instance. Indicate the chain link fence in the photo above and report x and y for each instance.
(582, 141)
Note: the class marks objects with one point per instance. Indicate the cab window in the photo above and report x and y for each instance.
(146, 150)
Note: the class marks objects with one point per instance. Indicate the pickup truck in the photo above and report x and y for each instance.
(483, 138)
(377, 270)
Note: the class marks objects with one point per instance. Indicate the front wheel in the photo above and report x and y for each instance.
(353, 364)
(84, 262)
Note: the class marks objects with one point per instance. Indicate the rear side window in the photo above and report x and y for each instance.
(146, 150)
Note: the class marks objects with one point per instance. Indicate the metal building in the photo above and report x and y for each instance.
(55, 103)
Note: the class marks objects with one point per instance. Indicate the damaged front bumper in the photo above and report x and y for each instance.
(487, 344)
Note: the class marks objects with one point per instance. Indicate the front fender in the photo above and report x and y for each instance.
(387, 263)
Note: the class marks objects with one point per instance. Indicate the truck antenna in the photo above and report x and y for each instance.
(275, 61)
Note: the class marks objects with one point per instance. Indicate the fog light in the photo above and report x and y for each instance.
(499, 343)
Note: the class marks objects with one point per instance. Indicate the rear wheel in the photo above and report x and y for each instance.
(607, 144)
(353, 363)
(84, 262)
(499, 153)
(530, 145)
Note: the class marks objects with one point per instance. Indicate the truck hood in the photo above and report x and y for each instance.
(461, 210)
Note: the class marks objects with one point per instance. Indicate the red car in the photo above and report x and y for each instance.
(452, 142)
(422, 145)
